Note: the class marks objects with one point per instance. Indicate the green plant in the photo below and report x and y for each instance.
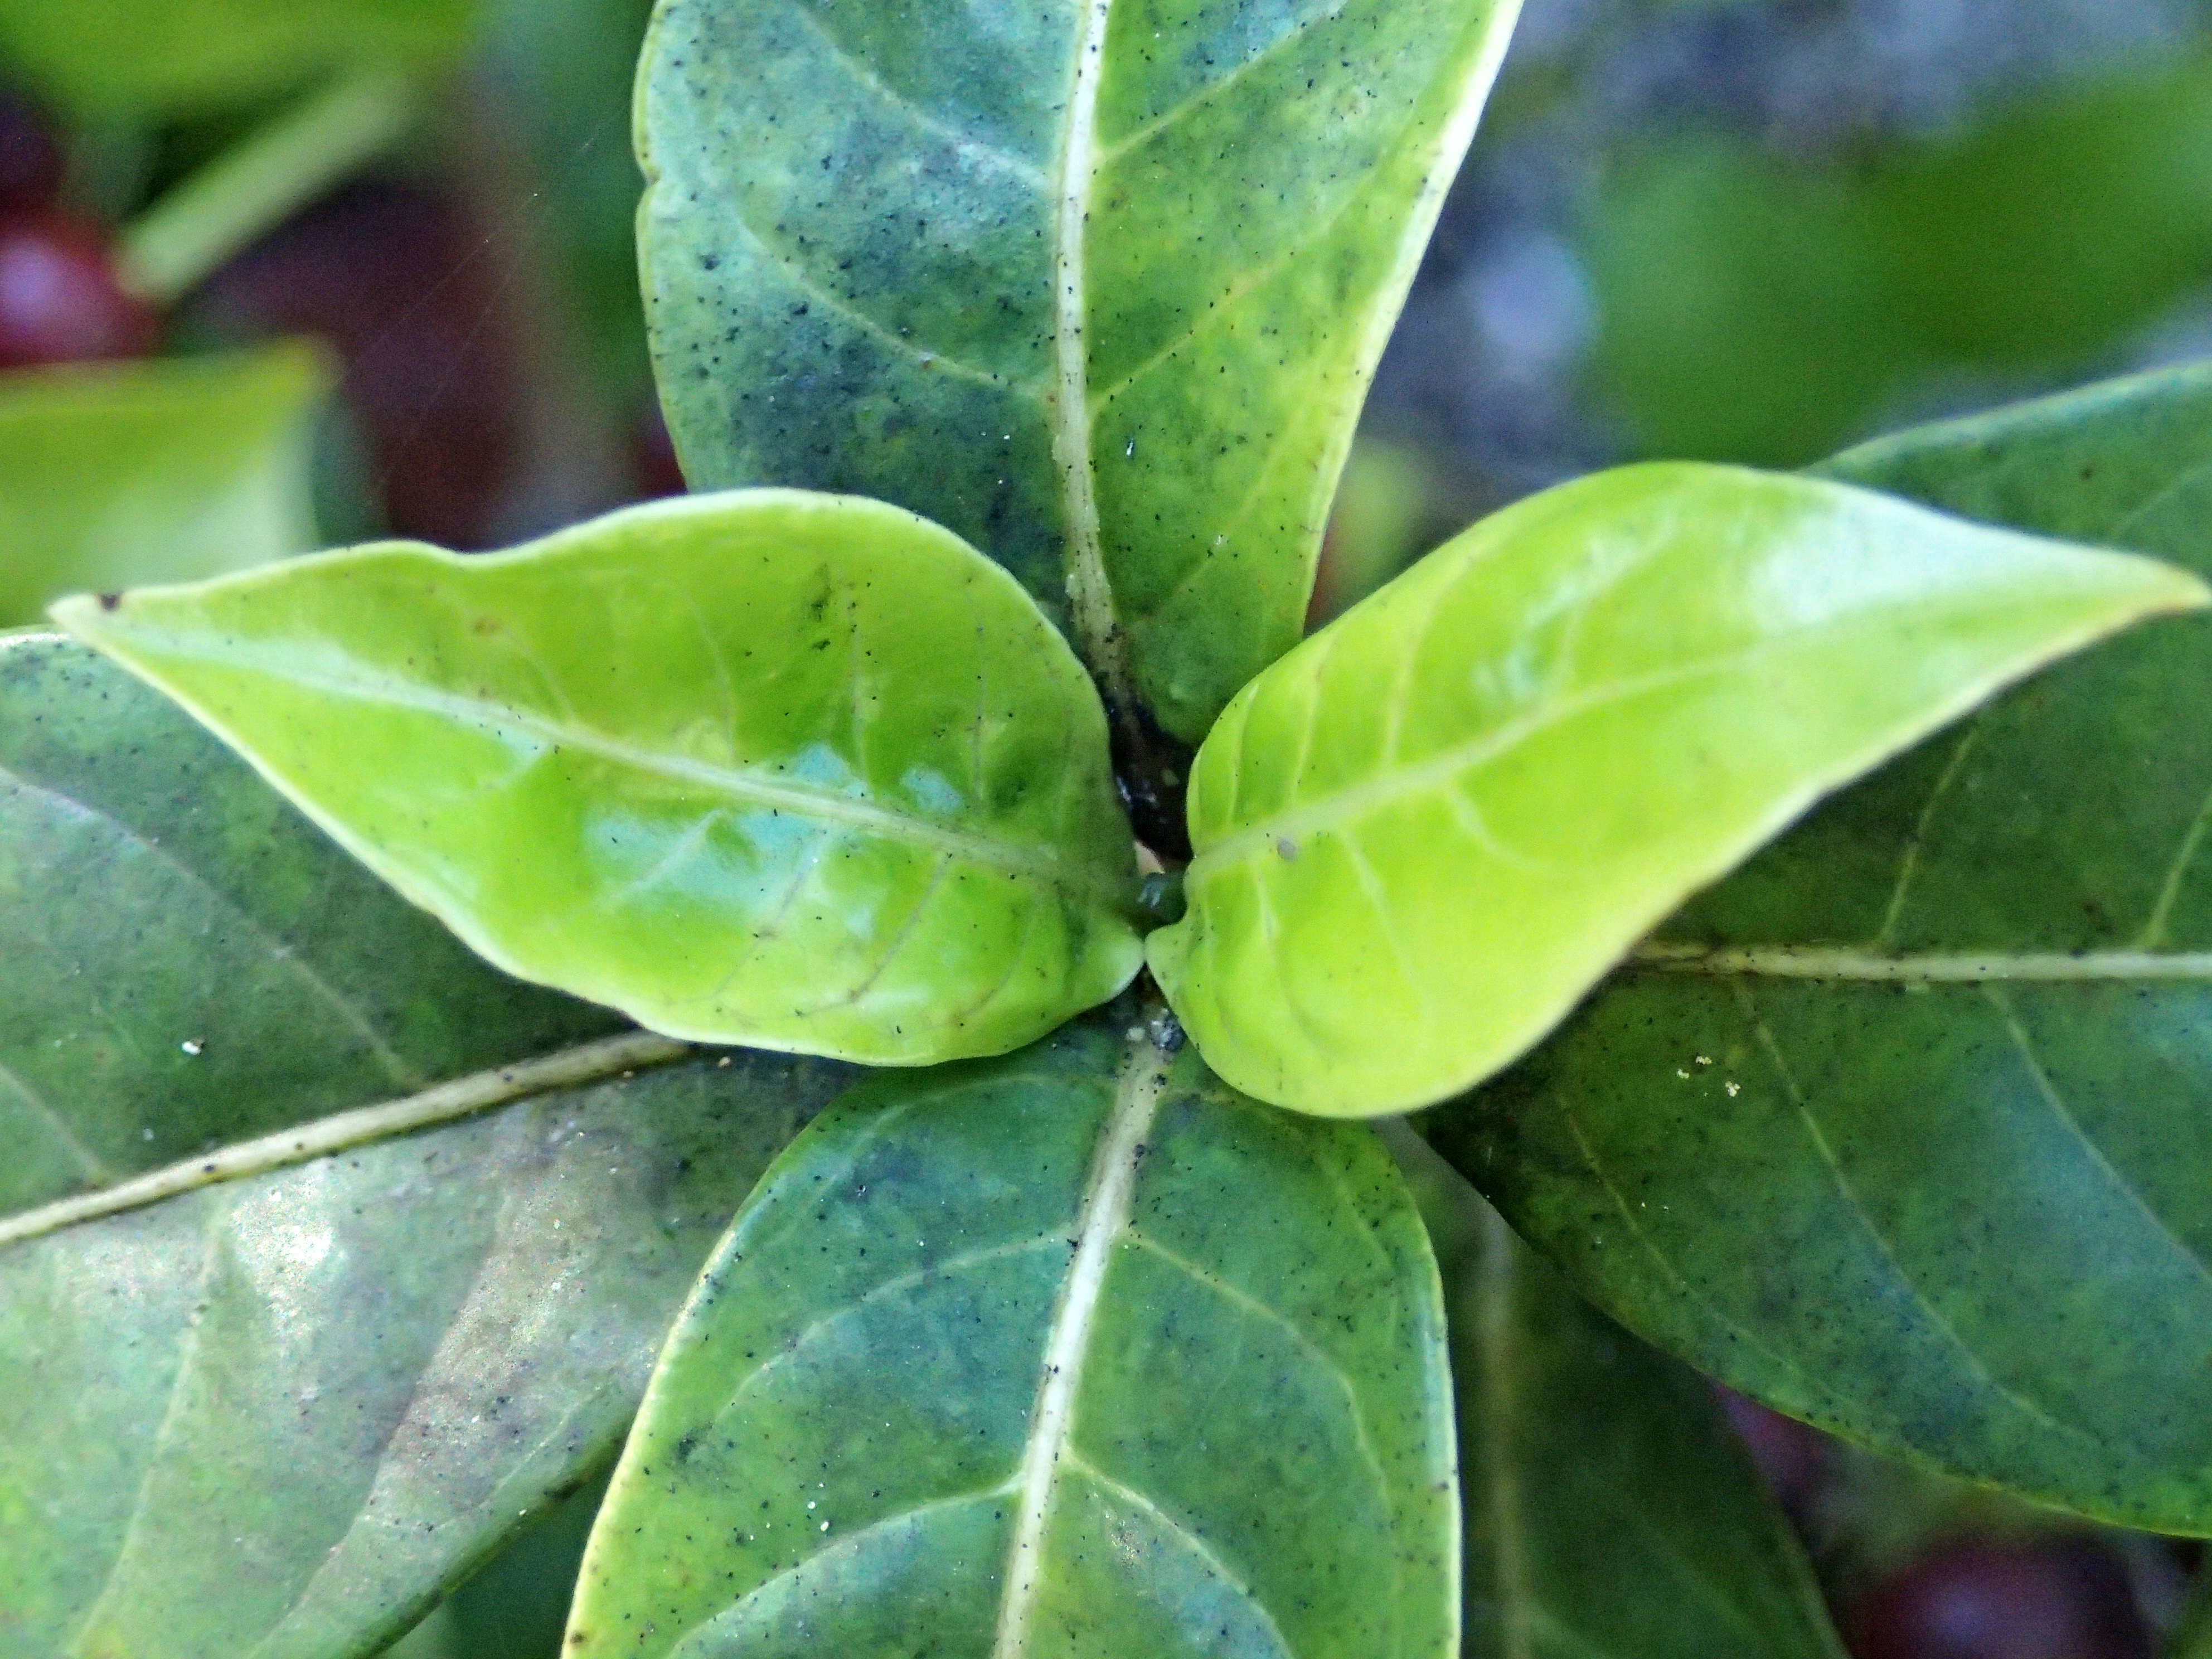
(340, 1242)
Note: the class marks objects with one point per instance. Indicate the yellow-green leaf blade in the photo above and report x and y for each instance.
(117, 474)
(1077, 1352)
(1422, 836)
(1901, 1128)
(1100, 286)
(795, 771)
(150, 58)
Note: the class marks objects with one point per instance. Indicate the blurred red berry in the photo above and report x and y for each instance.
(59, 299)
(2066, 1598)
(1793, 1457)
(653, 466)
(30, 156)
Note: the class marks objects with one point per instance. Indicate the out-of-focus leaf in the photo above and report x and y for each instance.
(1424, 834)
(1901, 1128)
(1387, 510)
(327, 1254)
(1610, 1510)
(118, 474)
(156, 58)
(1763, 310)
(2192, 1637)
(516, 1606)
(794, 770)
(1075, 1352)
(569, 68)
(1101, 286)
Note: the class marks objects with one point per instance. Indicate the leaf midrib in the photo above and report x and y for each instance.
(1109, 1196)
(445, 1102)
(1862, 966)
(742, 786)
(1090, 588)
(1395, 781)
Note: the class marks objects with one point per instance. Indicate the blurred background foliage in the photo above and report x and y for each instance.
(1744, 230)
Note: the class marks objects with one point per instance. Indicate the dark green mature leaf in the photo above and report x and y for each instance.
(1424, 834)
(153, 57)
(117, 474)
(1901, 1129)
(1100, 286)
(786, 769)
(1078, 1353)
(287, 1339)
(1610, 1508)
(2127, 463)
(150, 885)
(279, 1413)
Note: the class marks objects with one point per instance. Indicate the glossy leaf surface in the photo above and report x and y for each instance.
(1610, 1508)
(1074, 1353)
(251, 1399)
(153, 57)
(1900, 1129)
(115, 475)
(149, 884)
(1424, 834)
(1100, 286)
(792, 770)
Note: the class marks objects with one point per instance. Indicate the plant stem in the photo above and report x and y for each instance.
(1152, 771)
(184, 238)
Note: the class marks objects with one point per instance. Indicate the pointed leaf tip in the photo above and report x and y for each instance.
(1423, 835)
(1954, 1044)
(800, 772)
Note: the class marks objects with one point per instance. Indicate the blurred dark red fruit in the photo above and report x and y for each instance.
(653, 467)
(30, 156)
(2065, 1598)
(1793, 1457)
(59, 301)
(411, 292)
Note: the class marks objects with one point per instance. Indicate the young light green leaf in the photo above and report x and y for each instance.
(117, 474)
(148, 58)
(792, 770)
(1901, 1128)
(1100, 286)
(327, 1254)
(1610, 1508)
(1422, 836)
(1075, 1351)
